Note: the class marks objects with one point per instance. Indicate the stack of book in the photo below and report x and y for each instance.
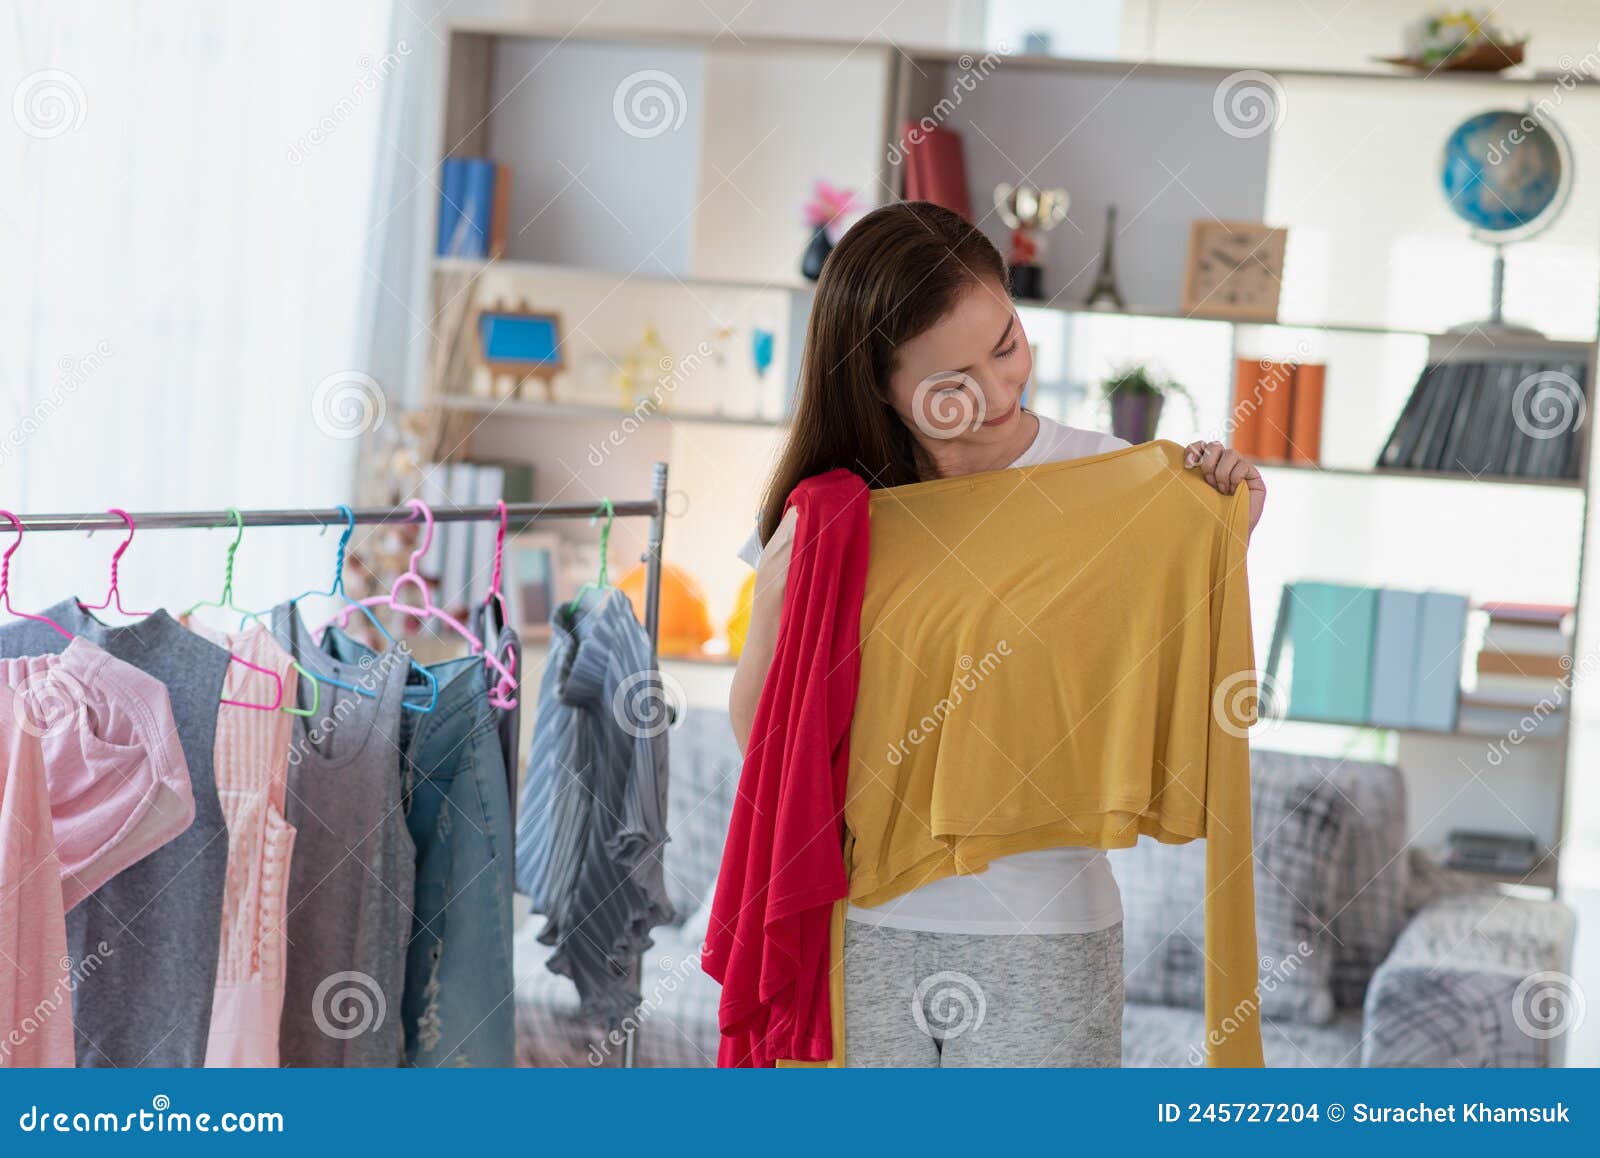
(1368, 655)
(1277, 410)
(474, 201)
(1525, 662)
(1515, 417)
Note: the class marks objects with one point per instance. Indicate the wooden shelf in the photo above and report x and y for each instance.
(752, 285)
(513, 408)
(1436, 475)
(552, 270)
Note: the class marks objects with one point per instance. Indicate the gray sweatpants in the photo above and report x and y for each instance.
(928, 1000)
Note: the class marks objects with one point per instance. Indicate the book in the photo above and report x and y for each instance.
(1492, 662)
(500, 211)
(1440, 640)
(1527, 639)
(1330, 633)
(1468, 416)
(1505, 611)
(1436, 420)
(1491, 852)
(452, 190)
(1246, 436)
(1305, 413)
(1276, 386)
(1394, 658)
(1397, 450)
(1490, 688)
(936, 169)
(1502, 721)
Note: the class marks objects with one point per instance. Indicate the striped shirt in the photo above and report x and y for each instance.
(592, 821)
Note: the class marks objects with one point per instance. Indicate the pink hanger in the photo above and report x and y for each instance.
(427, 609)
(5, 580)
(504, 694)
(116, 593)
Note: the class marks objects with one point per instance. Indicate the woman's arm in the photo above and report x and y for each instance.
(761, 641)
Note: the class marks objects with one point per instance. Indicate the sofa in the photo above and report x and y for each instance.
(1370, 954)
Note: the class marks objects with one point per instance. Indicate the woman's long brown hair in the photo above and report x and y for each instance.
(894, 274)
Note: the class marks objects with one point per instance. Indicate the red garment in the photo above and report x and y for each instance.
(783, 865)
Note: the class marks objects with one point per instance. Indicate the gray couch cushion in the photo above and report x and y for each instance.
(1167, 1037)
(1370, 907)
(1300, 829)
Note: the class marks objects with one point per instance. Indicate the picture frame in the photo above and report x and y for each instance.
(517, 345)
(1234, 270)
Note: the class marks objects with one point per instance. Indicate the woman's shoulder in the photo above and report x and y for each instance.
(1058, 441)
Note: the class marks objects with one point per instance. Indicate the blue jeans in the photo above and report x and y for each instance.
(459, 1003)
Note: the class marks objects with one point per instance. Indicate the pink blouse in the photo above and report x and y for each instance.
(251, 757)
(94, 782)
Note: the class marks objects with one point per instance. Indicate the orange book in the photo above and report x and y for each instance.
(1305, 414)
(500, 212)
(1246, 407)
(1492, 662)
(1275, 386)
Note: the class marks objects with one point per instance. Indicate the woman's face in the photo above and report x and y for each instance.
(961, 382)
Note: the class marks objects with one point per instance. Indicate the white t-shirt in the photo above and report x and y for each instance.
(1051, 890)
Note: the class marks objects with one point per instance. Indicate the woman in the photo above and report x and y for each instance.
(914, 368)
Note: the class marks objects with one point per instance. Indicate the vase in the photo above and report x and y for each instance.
(1134, 415)
(816, 253)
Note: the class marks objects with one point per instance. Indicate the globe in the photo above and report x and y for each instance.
(1502, 171)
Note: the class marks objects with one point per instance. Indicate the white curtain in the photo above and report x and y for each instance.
(196, 201)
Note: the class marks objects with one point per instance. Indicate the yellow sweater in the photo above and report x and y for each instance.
(1059, 655)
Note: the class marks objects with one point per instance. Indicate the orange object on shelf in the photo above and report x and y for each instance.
(1277, 389)
(1246, 435)
(1305, 418)
(685, 624)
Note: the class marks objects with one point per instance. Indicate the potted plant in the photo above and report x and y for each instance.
(1135, 394)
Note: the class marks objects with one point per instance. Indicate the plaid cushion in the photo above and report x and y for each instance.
(1371, 907)
(1300, 829)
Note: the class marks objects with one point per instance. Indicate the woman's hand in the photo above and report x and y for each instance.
(1225, 469)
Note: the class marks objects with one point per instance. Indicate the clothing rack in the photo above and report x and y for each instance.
(519, 516)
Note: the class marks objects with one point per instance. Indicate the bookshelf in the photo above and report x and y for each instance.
(700, 224)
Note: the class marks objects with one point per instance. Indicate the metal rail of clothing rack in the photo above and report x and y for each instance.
(519, 516)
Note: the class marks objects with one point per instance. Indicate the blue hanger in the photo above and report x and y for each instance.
(337, 591)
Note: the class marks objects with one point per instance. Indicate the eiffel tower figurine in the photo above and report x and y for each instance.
(1104, 295)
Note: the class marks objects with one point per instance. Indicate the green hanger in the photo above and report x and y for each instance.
(603, 582)
(226, 603)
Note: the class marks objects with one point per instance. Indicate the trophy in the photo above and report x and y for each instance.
(1028, 213)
